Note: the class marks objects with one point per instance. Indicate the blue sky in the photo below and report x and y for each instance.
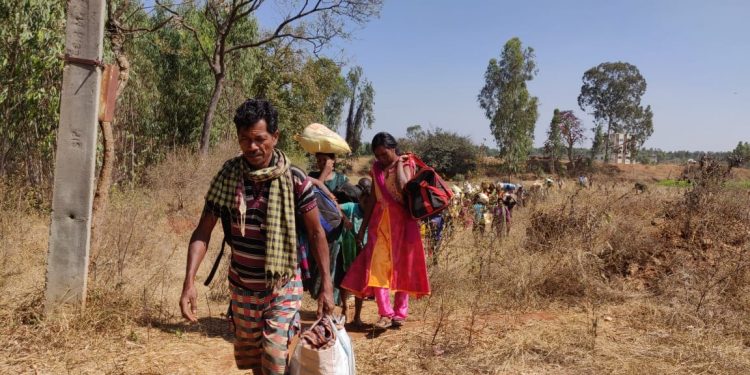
(427, 60)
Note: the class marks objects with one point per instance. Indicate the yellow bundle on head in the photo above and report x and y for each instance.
(319, 138)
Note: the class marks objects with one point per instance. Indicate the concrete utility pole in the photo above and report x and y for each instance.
(68, 258)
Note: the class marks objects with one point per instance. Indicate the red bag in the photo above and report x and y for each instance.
(426, 194)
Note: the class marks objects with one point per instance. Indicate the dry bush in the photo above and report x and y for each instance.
(135, 274)
(580, 286)
(182, 179)
(707, 270)
(588, 281)
(586, 243)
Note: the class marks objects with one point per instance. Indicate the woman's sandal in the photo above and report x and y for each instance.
(384, 322)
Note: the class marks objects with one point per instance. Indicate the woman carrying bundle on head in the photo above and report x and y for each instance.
(328, 181)
(393, 258)
(324, 143)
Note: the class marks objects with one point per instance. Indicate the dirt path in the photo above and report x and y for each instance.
(206, 347)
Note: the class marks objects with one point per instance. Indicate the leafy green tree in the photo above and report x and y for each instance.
(639, 127)
(335, 103)
(361, 106)
(414, 136)
(512, 111)
(598, 141)
(449, 153)
(553, 146)
(315, 22)
(31, 39)
(612, 92)
(571, 131)
(741, 154)
(300, 87)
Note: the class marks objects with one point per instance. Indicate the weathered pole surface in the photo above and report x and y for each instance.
(68, 257)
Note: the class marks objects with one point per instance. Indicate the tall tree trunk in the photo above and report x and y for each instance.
(357, 128)
(570, 154)
(570, 158)
(103, 184)
(209, 118)
(350, 120)
(606, 142)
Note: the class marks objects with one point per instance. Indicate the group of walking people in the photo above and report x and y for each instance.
(270, 216)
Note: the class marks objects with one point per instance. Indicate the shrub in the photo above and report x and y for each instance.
(447, 152)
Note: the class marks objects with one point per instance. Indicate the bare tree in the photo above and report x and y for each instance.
(327, 21)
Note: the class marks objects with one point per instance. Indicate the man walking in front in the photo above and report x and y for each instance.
(260, 199)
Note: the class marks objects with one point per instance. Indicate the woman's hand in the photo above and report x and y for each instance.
(347, 223)
(403, 173)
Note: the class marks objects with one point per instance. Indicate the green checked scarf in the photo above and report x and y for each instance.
(228, 190)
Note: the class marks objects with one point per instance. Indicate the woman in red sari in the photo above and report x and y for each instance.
(393, 258)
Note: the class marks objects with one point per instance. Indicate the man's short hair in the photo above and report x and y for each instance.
(254, 110)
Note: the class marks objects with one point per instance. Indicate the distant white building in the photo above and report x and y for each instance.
(619, 152)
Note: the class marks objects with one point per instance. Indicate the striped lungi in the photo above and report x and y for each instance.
(264, 323)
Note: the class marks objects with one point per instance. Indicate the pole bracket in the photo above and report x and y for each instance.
(80, 60)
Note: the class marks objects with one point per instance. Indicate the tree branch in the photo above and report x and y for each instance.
(255, 4)
(287, 21)
(179, 19)
(145, 29)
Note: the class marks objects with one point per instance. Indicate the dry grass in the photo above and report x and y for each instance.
(589, 281)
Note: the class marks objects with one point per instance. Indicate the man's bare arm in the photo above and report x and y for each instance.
(196, 252)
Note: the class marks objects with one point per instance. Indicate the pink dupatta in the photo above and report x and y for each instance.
(398, 264)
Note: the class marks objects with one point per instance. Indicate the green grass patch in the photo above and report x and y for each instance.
(744, 184)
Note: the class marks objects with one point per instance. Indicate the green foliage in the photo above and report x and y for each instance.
(612, 92)
(741, 154)
(674, 183)
(553, 146)
(361, 106)
(449, 153)
(681, 156)
(512, 111)
(163, 105)
(170, 83)
(31, 39)
(743, 184)
(335, 103)
(598, 141)
(300, 87)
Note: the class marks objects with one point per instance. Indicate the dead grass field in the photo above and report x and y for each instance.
(589, 281)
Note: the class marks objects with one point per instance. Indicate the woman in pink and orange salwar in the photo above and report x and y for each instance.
(393, 258)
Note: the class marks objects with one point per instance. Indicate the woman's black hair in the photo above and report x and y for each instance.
(365, 184)
(254, 110)
(386, 140)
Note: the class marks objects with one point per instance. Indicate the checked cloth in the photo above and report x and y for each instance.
(227, 190)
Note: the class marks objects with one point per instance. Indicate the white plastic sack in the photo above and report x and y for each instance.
(319, 138)
(336, 359)
(483, 198)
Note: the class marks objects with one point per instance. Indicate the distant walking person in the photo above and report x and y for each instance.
(259, 196)
(393, 258)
